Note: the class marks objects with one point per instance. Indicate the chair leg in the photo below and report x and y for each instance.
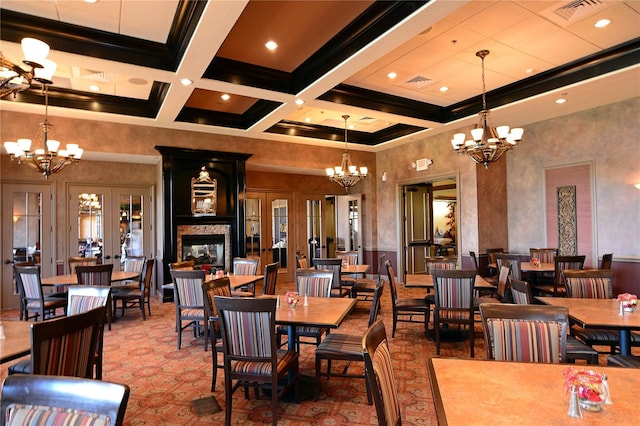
(395, 320)
(472, 335)
(214, 375)
(228, 393)
(436, 326)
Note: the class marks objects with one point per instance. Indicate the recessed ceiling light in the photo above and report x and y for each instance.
(186, 82)
(307, 120)
(601, 23)
(94, 88)
(392, 75)
(91, 1)
(561, 100)
(443, 89)
(299, 102)
(530, 70)
(271, 45)
(225, 97)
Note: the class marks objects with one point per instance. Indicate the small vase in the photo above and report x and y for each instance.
(292, 305)
(591, 392)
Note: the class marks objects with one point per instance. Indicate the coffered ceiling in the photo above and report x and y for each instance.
(333, 56)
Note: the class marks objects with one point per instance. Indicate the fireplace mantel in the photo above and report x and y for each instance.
(179, 166)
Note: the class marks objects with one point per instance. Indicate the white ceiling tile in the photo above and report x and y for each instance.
(158, 17)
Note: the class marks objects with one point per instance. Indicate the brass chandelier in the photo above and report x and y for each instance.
(487, 143)
(48, 159)
(346, 174)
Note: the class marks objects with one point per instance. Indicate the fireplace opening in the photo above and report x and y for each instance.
(204, 249)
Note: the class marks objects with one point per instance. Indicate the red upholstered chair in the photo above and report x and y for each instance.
(525, 333)
(251, 355)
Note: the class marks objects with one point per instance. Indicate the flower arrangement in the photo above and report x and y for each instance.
(535, 261)
(589, 384)
(292, 298)
(629, 301)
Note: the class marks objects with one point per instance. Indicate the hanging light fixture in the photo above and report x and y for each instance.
(49, 159)
(346, 174)
(487, 143)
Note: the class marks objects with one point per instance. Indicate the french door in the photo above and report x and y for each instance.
(267, 230)
(27, 227)
(110, 222)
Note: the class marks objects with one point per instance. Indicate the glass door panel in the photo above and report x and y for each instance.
(90, 226)
(314, 230)
(253, 227)
(131, 220)
(279, 231)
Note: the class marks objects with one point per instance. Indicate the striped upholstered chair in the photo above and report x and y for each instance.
(189, 301)
(245, 266)
(32, 296)
(454, 301)
(250, 352)
(96, 275)
(211, 289)
(379, 372)
(525, 333)
(312, 283)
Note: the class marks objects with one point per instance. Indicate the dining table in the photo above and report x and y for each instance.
(514, 393)
(355, 269)
(72, 279)
(600, 313)
(426, 281)
(17, 339)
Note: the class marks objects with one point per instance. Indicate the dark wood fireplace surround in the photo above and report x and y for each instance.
(179, 165)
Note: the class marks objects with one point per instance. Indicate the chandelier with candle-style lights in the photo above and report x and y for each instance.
(487, 143)
(48, 159)
(346, 174)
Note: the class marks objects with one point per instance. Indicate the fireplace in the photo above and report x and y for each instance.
(204, 250)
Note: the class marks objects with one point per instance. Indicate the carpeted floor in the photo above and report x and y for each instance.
(165, 381)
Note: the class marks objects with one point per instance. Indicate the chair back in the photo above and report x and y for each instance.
(135, 264)
(563, 263)
(454, 293)
(71, 400)
(94, 275)
(147, 275)
(520, 292)
(314, 282)
(503, 283)
(474, 258)
(392, 282)
(81, 261)
(185, 265)
(66, 346)
(85, 298)
(513, 260)
(525, 333)
(301, 261)
(606, 261)
(211, 289)
(270, 278)
(380, 377)
(245, 266)
(332, 264)
(589, 284)
(434, 263)
(248, 328)
(348, 257)
(491, 252)
(29, 284)
(187, 288)
(376, 301)
(545, 255)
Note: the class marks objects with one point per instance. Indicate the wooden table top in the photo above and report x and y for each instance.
(238, 281)
(426, 281)
(326, 312)
(512, 393)
(17, 341)
(596, 313)
(72, 279)
(355, 269)
(529, 267)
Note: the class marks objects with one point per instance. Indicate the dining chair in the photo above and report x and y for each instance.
(301, 262)
(605, 262)
(474, 259)
(251, 355)
(83, 299)
(512, 260)
(454, 301)
(545, 255)
(37, 399)
(64, 346)
(245, 266)
(405, 309)
(433, 263)
(525, 333)
(379, 373)
(99, 275)
(491, 253)
(627, 361)
(502, 292)
(134, 264)
(334, 265)
(183, 265)
(348, 257)
(312, 283)
(15, 282)
(521, 291)
(31, 294)
(594, 284)
(138, 296)
(561, 263)
(189, 301)
(346, 347)
(80, 261)
(211, 289)
(270, 278)
(367, 286)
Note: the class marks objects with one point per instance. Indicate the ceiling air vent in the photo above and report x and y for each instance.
(569, 12)
(92, 75)
(418, 82)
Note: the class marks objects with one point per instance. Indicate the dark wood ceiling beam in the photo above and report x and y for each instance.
(225, 119)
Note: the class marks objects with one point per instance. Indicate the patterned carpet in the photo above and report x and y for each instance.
(164, 380)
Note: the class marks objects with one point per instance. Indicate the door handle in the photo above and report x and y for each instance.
(107, 257)
(8, 262)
